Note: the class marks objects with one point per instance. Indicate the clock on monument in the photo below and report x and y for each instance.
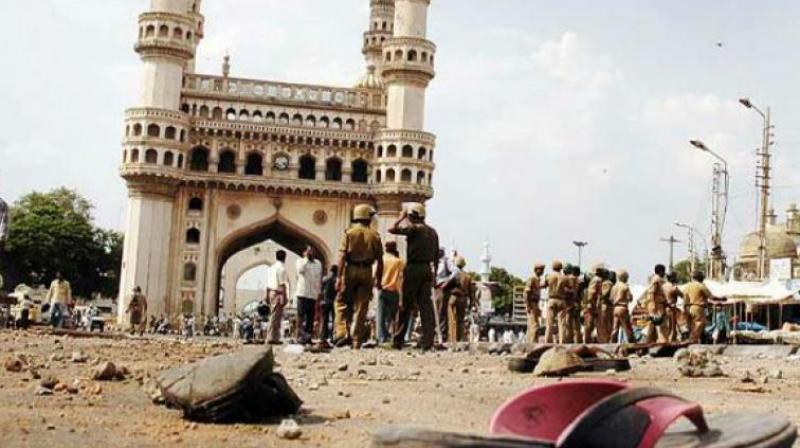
(282, 162)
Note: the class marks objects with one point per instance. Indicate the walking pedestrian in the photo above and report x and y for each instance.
(389, 297)
(277, 295)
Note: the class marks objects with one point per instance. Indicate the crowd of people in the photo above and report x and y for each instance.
(597, 307)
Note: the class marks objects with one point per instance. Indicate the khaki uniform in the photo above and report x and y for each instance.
(559, 287)
(461, 296)
(656, 305)
(361, 247)
(572, 332)
(591, 309)
(672, 293)
(533, 294)
(621, 297)
(137, 307)
(422, 251)
(605, 313)
(697, 296)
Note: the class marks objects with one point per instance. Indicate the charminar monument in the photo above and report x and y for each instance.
(215, 165)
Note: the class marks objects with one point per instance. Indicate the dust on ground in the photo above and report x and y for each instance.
(348, 395)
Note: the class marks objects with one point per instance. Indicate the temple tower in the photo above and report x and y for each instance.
(155, 146)
(404, 151)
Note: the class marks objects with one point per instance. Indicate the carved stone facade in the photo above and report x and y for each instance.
(216, 164)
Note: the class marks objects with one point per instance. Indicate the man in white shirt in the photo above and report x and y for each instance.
(309, 287)
(277, 293)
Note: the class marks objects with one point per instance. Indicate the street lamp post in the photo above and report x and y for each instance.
(692, 256)
(764, 178)
(721, 186)
(580, 245)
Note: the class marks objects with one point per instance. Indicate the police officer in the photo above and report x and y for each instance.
(621, 297)
(672, 292)
(533, 295)
(557, 287)
(605, 311)
(422, 259)
(592, 305)
(655, 302)
(360, 249)
(697, 297)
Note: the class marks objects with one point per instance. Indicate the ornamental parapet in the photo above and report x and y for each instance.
(271, 92)
(397, 136)
(296, 131)
(176, 117)
(166, 34)
(409, 59)
(403, 190)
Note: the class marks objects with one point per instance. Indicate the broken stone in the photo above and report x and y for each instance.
(342, 368)
(14, 364)
(60, 387)
(341, 415)
(48, 382)
(79, 357)
(289, 429)
(43, 391)
(106, 371)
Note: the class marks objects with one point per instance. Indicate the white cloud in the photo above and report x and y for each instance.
(572, 60)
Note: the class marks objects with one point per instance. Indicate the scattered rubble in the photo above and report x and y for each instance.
(289, 429)
(14, 364)
(698, 364)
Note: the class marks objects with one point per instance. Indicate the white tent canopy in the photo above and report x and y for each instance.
(773, 292)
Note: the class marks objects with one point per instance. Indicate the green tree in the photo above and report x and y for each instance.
(54, 232)
(503, 301)
(684, 269)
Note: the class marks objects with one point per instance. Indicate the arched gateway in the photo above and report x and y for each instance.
(216, 164)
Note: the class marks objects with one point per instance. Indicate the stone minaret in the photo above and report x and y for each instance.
(381, 27)
(403, 169)
(156, 146)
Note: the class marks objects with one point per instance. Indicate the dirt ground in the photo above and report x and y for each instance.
(347, 395)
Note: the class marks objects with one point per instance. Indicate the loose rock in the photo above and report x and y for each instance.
(289, 429)
(106, 371)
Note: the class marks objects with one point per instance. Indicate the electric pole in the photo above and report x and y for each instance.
(671, 241)
(763, 184)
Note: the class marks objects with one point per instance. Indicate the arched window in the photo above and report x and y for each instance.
(391, 151)
(333, 169)
(270, 117)
(177, 33)
(217, 114)
(258, 117)
(196, 204)
(137, 130)
(388, 56)
(188, 35)
(390, 175)
(378, 176)
(230, 114)
(405, 176)
(398, 55)
(350, 124)
(383, 26)
(163, 31)
(337, 123)
(186, 108)
(169, 158)
(193, 236)
(189, 272)
(180, 160)
(198, 160)
(135, 156)
(324, 122)
(183, 135)
(311, 121)
(255, 165)
(283, 118)
(151, 156)
(244, 115)
(170, 133)
(421, 177)
(424, 56)
(412, 55)
(308, 167)
(227, 162)
(408, 151)
(422, 153)
(360, 169)
(297, 120)
(150, 32)
(380, 152)
(204, 111)
(153, 130)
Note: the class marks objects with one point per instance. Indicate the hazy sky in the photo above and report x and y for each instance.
(556, 120)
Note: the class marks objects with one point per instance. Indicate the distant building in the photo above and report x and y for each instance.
(781, 249)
